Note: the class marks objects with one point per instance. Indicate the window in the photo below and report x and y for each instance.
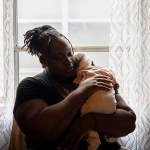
(85, 22)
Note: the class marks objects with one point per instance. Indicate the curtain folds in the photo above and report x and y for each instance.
(8, 98)
(130, 60)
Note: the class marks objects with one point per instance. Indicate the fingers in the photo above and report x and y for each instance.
(102, 76)
(104, 86)
(105, 79)
(103, 82)
(98, 82)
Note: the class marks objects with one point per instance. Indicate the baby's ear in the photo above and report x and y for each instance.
(93, 63)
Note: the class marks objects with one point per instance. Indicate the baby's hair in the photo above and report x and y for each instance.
(33, 39)
(78, 57)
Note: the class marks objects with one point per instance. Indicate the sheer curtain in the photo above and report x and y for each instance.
(130, 60)
(8, 58)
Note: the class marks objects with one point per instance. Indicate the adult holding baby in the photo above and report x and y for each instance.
(47, 107)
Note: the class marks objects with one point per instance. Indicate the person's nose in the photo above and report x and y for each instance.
(67, 60)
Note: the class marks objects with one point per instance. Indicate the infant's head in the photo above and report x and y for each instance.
(81, 61)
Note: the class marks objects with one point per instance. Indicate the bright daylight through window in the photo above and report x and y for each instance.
(85, 22)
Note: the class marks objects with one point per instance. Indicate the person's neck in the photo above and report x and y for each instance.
(62, 81)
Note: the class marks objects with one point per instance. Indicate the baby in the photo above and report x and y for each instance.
(103, 102)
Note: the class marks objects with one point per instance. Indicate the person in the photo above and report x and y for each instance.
(100, 102)
(47, 106)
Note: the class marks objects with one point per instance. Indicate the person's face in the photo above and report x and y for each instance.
(60, 60)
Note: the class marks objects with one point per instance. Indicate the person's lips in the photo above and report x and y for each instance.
(69, 69)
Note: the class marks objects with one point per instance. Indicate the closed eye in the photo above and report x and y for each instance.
(70, 54)
(59, 57)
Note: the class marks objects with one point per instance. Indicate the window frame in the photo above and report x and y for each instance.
(18, 49)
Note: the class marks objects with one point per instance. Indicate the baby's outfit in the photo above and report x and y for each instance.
(103, 102)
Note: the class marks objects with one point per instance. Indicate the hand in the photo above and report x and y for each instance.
(76, 132)
(98, 82)
(105, 71)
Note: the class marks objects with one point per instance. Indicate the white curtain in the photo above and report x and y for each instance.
(8, 96)
(130, 60)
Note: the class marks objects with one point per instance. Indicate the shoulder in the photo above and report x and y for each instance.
(40, 79)
(36, 87)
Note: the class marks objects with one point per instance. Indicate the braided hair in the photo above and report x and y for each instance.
(35, 38)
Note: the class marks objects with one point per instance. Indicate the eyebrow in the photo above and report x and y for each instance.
(57, 51)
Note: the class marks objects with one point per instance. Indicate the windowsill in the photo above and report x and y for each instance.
(104, 48)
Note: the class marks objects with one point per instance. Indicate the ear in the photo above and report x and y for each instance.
(43, 61)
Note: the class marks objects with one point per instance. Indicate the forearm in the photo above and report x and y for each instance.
(62, 115)
(118, 124)
(48, 121)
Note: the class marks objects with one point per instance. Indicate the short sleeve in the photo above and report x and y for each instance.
(28, 89)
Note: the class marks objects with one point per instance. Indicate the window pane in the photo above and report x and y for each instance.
(99, 9)
(30, 65)
(39, 9)
(99, 58)
(85, 22)
(89, 34)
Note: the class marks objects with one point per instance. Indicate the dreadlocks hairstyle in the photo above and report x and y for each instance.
(34, 39)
